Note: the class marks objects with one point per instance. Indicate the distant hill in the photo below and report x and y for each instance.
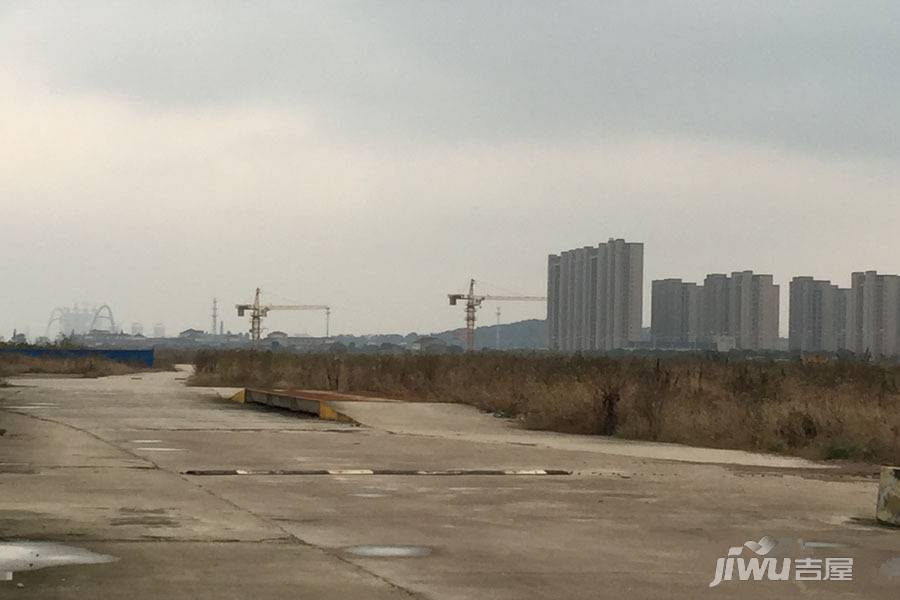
(521, 335)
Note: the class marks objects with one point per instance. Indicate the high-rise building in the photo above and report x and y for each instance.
(818, 315)
(744, 307)
(753, 311)
(873, 324)
(595, 296)
(714, 302)
(620, 294)
(554, 264)
(675, 315)
(842, 305)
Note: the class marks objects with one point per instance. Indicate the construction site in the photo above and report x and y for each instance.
(96, 327)
(424, 468)
(429, 300)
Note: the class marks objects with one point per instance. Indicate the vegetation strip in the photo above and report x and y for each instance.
(842, 409)
(219, 472)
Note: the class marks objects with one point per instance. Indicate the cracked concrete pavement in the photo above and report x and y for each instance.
(98, 464)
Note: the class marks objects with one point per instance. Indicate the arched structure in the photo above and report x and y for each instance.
(108, 317)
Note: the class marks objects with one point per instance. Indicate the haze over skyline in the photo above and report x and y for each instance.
(374, 156)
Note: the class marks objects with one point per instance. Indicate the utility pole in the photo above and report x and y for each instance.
(215, 317)
(498, 328)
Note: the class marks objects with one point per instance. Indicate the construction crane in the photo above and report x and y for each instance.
(258, 311)
(473, 302)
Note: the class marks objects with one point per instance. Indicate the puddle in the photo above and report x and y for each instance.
(30, 556)
(389, 551)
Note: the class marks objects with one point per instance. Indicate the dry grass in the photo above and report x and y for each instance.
(843, 409)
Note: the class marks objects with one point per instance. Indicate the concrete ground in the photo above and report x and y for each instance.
(98, 464)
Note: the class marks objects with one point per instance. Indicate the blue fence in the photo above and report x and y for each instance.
(131, 357)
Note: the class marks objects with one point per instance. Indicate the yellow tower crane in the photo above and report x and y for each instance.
(473, 302)
(258, 311)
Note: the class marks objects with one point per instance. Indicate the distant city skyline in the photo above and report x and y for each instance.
(696, 321)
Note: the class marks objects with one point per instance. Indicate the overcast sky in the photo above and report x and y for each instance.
(375, 155)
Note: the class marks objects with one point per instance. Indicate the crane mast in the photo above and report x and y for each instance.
(474, 301)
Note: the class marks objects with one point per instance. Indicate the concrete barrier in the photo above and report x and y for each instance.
(888, 509)
(310, 403)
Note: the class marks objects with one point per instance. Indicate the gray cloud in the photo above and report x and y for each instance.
(812, 75)
(374, 155)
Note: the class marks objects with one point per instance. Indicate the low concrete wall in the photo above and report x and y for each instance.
(295, 401)
(888, 508)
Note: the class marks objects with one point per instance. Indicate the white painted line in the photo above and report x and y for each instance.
(146, 441)
(351, 472)
(157, 449)
(526, 472)
(369, 495)
(242, 472)
(805, 544)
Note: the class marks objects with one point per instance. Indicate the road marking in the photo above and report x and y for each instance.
(351, 472)
(400, 472)
(389, 551)
(158, 449)
(146, 441)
